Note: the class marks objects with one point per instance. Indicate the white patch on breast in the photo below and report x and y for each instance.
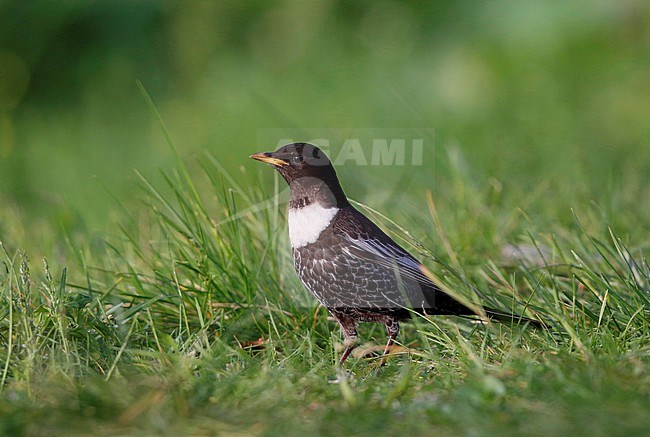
(307, 223)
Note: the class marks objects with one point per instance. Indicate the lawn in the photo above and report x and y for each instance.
(147, 286)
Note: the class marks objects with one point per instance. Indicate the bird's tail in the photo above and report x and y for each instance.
(504, 317)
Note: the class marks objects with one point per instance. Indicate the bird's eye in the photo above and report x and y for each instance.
(296, 159)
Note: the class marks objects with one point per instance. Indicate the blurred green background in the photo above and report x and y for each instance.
(552, 94)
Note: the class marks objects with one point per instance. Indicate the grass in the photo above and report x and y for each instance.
(190, 321)
(171, 307)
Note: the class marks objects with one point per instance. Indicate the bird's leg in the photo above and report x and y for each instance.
(349, 328)
(392, 328)
(350, 345)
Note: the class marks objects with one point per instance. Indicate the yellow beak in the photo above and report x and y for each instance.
(264, 157)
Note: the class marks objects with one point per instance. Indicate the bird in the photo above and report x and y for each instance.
(352, 267)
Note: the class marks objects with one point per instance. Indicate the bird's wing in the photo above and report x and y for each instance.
(366, 241)
(388, 255)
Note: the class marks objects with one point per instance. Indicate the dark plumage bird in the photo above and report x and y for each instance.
(350, 265)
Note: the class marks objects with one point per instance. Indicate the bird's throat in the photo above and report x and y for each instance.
(306, 191)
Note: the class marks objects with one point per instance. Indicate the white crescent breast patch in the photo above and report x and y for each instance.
(307, 223)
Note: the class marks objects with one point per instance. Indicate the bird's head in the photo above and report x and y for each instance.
(307, 170)
(298, 160)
